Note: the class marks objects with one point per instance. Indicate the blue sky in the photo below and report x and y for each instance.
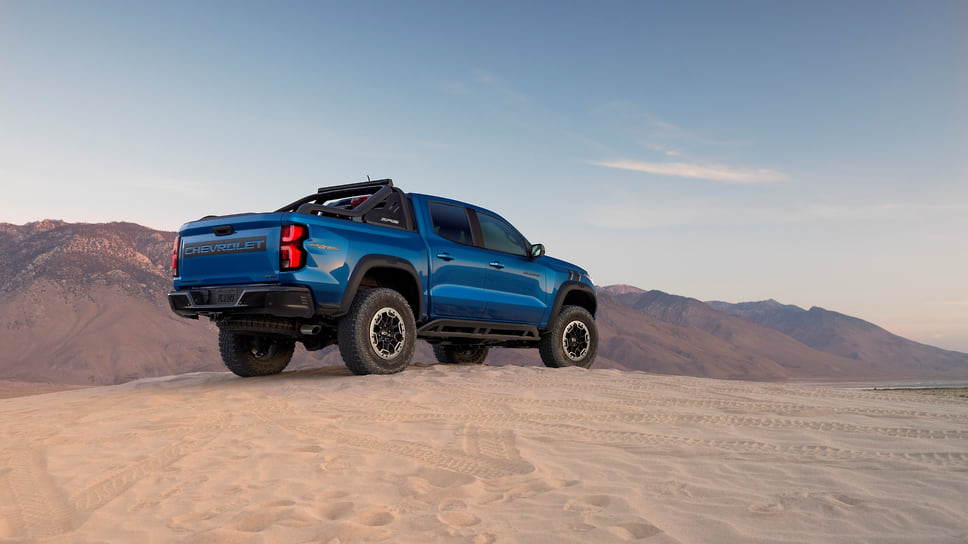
(811, 152)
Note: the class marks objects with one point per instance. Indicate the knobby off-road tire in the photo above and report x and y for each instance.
(460, 355)
(572, 339)
(378, 335)
(247, 355)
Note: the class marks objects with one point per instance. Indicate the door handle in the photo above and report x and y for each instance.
(445, 256)
(496, 264)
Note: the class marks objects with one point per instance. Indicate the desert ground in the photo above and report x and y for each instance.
(481, 454)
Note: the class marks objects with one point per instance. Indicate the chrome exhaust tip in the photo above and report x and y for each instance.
(310, 330)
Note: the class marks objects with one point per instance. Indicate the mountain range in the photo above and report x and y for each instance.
(85, 304)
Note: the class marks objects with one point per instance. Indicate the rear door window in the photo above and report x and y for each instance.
(451, 222)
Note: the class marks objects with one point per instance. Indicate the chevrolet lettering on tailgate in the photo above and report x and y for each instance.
(240, 245)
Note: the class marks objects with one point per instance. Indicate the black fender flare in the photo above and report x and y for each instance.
(369, 262)
(567, 288)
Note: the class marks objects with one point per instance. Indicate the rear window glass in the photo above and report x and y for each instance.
(450, 222)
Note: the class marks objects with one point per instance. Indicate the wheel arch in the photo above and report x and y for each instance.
(573, 293)
(384, 271)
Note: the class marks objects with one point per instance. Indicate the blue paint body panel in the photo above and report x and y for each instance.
(454, 278)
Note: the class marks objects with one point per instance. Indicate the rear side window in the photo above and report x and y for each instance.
(451, 222)
(501, 236)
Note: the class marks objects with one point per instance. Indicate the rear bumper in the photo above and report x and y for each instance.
(279, 301)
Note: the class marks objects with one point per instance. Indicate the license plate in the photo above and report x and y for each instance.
(225, 296)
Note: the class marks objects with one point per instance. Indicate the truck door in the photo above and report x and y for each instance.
(457, 271)
(517, 285)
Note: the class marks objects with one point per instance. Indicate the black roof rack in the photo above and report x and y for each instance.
(377, 190)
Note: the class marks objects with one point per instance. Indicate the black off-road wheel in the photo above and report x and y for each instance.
(378, 335)
(247, 355)
(460, 355)
(572, 339)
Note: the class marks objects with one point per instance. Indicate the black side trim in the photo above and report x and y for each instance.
(327, 309)
(477, 330)
(568, 287)
(371, 262)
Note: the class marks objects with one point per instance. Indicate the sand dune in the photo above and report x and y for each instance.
(481, 454)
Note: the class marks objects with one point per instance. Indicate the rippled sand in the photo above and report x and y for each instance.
(481, 454)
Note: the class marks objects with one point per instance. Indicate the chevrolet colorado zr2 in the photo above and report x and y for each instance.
(372, 269)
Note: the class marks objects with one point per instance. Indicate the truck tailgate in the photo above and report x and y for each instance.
(241, 249)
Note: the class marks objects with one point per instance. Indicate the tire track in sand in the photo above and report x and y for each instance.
(944, 459)
(484, 409)
(634, 401)
(32, 502)
(477, 417)
(492, 455)
(36, 507)
(107, 487)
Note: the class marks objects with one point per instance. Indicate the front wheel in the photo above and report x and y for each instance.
(247, 355)
(379, 333)
(572, 339)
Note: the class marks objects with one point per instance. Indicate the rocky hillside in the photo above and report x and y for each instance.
(121, 255)
(796, 359)
(86, 304)
(867, 344)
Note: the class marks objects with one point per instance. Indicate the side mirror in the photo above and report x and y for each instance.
(537, 250)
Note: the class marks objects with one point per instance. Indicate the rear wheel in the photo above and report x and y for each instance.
(572, 339)
(461, 355)
(248, 355)
(378, 335)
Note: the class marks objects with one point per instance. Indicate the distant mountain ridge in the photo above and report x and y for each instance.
(838, 346)
(633, 340)
(119, 254)
(848, 337)
(86, 304)
(793, 356)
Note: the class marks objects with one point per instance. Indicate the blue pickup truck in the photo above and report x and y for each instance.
(372, 269)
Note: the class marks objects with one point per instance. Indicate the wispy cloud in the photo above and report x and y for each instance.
(666, 150)
(714, 172)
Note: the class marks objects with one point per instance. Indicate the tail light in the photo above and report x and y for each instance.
(292, 255)
(174, 257)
